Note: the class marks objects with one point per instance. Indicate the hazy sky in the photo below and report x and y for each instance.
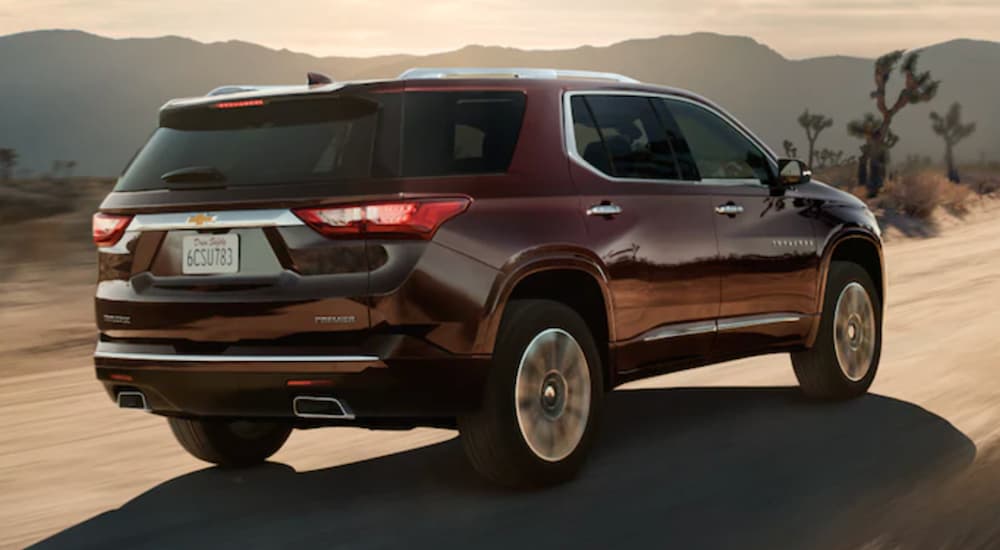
(796, 28)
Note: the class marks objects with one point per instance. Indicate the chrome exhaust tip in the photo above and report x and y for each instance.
(132, 400)
(328, 408)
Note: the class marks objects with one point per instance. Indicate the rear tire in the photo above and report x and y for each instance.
(843, 361)
(542, 401)
(230, 444)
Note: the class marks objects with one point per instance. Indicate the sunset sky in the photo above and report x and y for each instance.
(796, 28)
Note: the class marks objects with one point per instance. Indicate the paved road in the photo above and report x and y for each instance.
(727, 456)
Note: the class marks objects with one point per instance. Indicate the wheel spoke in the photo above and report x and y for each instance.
(552, 394)
(562, 354)
(854, 331)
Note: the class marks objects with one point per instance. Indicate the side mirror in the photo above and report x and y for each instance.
(792, 172)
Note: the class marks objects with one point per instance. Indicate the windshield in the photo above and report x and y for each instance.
(283, 142)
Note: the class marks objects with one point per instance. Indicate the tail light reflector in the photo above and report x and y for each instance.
(412, 219)
(108, 228)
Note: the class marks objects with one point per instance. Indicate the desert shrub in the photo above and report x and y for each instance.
(984, 180)
(956, 198)
(918, 194)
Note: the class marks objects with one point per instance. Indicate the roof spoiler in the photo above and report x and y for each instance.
(312, 79)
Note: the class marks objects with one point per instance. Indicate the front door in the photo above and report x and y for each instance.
(767, 243)
(654, 231)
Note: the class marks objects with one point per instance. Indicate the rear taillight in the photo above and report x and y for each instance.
(108, 228)
(413, 219)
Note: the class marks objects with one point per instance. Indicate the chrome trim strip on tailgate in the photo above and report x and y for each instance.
(278, 217)
(177, 358)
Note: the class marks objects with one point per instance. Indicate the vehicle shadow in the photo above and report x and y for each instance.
(687, 467)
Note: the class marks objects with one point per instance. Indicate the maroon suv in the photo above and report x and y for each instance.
(449, 249)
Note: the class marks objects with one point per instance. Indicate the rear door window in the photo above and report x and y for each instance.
(279, 142)
(633, 142)
(452, 133)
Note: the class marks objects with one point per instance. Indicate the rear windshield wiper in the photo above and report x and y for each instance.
(194, 174)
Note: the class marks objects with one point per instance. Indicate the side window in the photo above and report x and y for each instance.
(682, 152)
(449, 133)
(622, 136)
(589, 144)
(468, 142)
(719, 150)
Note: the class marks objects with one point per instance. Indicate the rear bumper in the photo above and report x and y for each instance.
(265, 386)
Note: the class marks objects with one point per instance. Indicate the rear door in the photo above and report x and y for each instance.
(769, 262)
(653, 230)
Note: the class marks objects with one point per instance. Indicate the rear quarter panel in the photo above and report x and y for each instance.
(518, 222)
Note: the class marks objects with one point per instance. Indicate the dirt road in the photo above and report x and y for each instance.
(724, 456)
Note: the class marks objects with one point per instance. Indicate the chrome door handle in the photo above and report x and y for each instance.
(609, 209)
(729, 209)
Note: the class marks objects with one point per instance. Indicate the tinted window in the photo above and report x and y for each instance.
(634, 140)
(682, 152)
(280, 142)
(589, 144)
(446, 133)
(719, 150)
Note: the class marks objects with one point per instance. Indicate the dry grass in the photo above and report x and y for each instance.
(984, 179)
(48, 223)
(919, 194)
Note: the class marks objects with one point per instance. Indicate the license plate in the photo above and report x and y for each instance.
(210, 254)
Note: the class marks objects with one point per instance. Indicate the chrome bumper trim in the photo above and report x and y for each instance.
(178, 358)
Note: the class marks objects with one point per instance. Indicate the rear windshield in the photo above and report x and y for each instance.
(285, 141)
(293, 140)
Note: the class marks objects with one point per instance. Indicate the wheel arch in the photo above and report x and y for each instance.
(556, 277)
(860, 247)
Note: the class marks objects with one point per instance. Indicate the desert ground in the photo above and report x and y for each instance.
(725, 456)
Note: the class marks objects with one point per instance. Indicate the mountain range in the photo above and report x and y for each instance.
(70, 95)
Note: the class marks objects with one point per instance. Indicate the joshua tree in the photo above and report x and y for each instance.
(828, 157)
(8, 159)
(791, 151)
(875, 131)
(952, 131)
(813, 124)
(874, 152)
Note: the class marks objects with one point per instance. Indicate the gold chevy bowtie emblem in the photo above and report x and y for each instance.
(200, 219)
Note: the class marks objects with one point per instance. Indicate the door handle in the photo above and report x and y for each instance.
(729, 209)
(604, 209)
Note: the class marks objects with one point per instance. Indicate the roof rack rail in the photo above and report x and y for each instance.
(515, 72)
